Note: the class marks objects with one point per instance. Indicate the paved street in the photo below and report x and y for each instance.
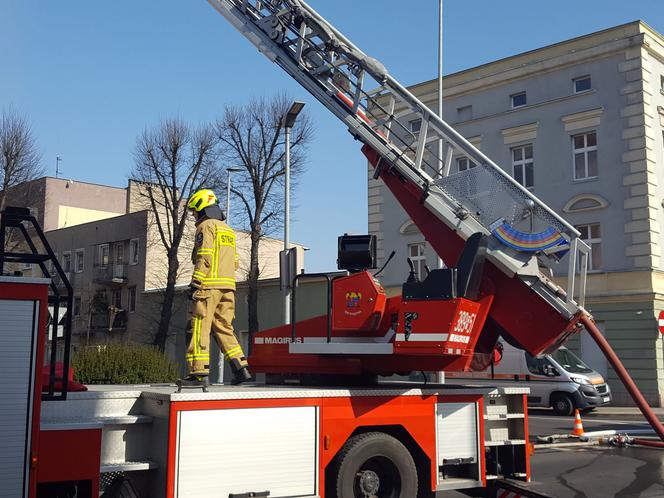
(596, 471)
(543, 422)
(599, 472)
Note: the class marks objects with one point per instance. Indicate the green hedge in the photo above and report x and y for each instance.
(123, 364)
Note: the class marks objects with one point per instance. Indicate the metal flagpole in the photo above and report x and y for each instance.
(440, 94)
(440, 376)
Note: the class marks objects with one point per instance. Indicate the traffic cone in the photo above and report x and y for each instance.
(578, 426)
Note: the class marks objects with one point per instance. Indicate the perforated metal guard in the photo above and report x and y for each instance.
(488, 197)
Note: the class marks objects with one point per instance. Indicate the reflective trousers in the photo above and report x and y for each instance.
(211, 313)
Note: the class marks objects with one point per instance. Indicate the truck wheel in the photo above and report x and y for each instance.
(562, 404)
(375, 465)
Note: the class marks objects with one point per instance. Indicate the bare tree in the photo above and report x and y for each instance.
(19, 157)
(251, 137)
(172, 161)
(19, 163)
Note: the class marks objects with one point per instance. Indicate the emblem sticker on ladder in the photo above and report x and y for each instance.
(353, 299)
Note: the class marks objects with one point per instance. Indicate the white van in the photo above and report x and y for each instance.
(560, 380)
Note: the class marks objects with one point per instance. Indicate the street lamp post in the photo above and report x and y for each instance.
(229, 172)
(288, 122)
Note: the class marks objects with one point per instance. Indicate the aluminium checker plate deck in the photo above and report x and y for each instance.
(113, 396)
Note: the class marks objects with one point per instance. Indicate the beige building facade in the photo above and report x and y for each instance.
(117, 267)
(59, 202)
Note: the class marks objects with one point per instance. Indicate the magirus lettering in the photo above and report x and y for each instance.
(281, 340)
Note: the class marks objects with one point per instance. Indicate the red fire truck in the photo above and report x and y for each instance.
(378, 439)
(320, 437)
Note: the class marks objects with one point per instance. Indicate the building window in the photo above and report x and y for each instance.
(415, 125)
(585, 155)
(591, 235)
(119, 253)
(66, 262)
(585, 202)
(131, 299)
(104, 251)
(416, 255)
(117, 298)
(465, 113)
(582, 84)
(518, 99)
(522, 165)
(463, 164)
(133, 252)
(80, 260)
(77, 305)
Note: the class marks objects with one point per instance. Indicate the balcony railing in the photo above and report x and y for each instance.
(101, 321)
(115, 273)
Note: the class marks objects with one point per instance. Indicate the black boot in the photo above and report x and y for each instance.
(241, 375)
(193, 382)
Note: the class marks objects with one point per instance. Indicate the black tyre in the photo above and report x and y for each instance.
(375, 465)
(562, 404)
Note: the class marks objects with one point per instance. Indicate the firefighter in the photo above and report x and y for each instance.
(212, 292)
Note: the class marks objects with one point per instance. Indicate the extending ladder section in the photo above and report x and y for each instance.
(376, 108)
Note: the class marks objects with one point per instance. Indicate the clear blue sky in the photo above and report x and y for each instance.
(91, 75)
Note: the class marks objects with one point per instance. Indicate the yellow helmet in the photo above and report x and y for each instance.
(202, 199)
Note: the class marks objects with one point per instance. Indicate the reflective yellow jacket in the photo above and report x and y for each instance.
(214, 256)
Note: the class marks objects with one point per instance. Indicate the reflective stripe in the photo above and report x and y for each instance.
(193, 332)
(196, 346)
(232, 353)
(210, 280)
(215, 259)
(201, 356)
(197, 335)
